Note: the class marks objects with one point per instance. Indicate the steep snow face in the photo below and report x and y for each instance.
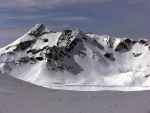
(74, 58)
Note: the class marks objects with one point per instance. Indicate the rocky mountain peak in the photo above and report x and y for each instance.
(38, 30)
(72, 56)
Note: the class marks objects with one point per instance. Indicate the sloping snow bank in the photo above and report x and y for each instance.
(17, 96)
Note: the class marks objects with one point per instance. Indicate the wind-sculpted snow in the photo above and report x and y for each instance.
(72, 57)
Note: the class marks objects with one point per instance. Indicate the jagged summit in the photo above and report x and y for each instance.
(70, 57)
(37, 26)
(38, 30)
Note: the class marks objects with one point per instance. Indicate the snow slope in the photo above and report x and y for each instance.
(17, 96)
(73, 59)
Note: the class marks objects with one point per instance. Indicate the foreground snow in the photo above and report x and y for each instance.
(17, 96)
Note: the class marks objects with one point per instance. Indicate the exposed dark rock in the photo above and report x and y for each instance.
(89, 33)
(147, 76)
(146, 44)
(24, 45)
(84, 37)
(8, 47)
(49, 55)
(141, 41)
(108, 55)
(137, 54)
(126, 44)
(121, 46)
(33, 59)
(56, 49)
(24, 60)
(53, 69)
(65, 36)
(149, 48)
(56, 53)
(61, 67)
(35, 51)
(56, 57)
(67, 32)
(11, 53)
(82, 54)
(39, 58)
(51, 49)
(134, 42)
(39, 31)
(45, 40)
(110, 42)
(127, 41)
(73, 44)
(98, 44)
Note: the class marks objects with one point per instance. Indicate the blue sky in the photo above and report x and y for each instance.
(117, 18)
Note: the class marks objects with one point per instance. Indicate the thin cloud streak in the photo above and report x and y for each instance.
(13, 16)
(54, 27)
(72, 19)
(138, 1)
(32, 5)
(29, 16)
(35, 5)
(13, 32)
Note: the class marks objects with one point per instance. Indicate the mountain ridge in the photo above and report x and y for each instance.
(44, 57)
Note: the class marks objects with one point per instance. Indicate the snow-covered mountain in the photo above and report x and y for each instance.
(73, 58)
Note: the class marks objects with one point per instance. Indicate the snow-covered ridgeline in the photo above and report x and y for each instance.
(72, 57)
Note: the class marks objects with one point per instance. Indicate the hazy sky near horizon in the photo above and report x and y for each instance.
(117, 18)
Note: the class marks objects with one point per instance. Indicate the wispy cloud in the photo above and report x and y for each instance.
(138, 1)
(51, 16)
(78, 18)
(17, 31)
(54, 27)
(9, 33)
(31, 5)
(34, 5)
(25, 16)
(13, 16)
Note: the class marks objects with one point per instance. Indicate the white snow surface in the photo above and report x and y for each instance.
(89, 69)
(17, 96)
